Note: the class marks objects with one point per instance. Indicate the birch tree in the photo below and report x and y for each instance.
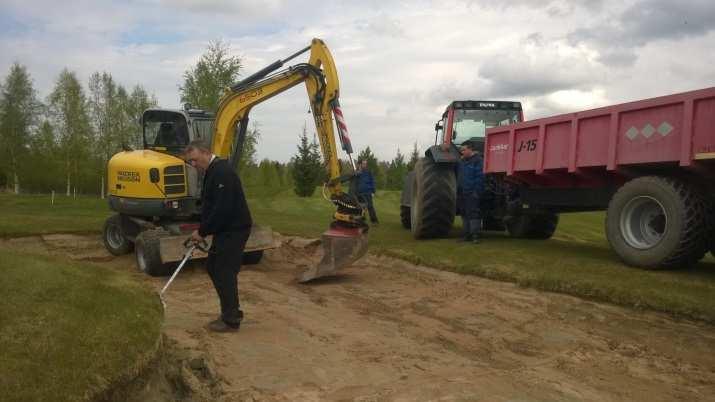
(18, 111)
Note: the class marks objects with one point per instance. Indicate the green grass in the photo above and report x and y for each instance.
(35, 214)
(577, 260)
(68, 330)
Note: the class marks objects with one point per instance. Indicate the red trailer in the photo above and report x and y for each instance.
(650, 164)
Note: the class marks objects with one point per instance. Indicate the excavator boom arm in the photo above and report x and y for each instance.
(346, 239)
(321, 81)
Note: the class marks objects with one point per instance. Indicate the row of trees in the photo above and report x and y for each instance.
(389, 175)
(307, 168)
(64, 141)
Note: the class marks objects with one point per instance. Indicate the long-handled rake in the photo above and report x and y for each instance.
(190, 247)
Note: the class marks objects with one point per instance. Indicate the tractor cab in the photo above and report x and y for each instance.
(170, 131)
(468, 120)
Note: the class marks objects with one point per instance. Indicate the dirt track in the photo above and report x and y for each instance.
(386, 330)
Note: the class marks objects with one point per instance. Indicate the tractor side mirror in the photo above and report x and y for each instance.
(438, 126)
(154, 175)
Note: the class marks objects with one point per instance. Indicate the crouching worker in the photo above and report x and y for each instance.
(471, 184)
(225, 215)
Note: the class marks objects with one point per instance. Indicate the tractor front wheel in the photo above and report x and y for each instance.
(434, 199)
(405, 217)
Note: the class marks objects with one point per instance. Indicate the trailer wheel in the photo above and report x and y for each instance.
(146, 250)
(114, 240)
(252, 257)
(434, 203)
(405, 217)
(536, 226)
(658, 222)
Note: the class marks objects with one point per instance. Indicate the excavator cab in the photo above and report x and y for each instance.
(171, 131)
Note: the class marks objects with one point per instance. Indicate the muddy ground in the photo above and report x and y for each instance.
(389, 331)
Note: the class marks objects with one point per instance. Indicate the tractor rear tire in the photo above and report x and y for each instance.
(252, 257)
(434, 199)
(405, 217)
(656, 222)
(146, 250)
(538, 226)
(113, 237)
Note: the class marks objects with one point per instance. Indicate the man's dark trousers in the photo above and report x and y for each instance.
(367, 200)
(223, 266)
(470, 215)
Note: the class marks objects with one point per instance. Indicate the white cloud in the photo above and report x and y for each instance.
(400, 63)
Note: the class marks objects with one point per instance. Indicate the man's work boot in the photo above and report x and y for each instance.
(221, 326)
(466, 238)
(475, 226)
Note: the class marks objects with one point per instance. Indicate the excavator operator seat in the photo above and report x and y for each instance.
(166, 135)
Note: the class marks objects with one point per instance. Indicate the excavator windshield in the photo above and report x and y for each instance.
(165, 130)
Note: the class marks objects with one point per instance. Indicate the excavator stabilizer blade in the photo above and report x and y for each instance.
(341, 247)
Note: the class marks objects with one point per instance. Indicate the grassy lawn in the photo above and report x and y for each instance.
(35, 214)
(577, 260)
(67, 330)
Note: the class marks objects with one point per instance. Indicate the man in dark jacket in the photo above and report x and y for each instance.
(225, 215)
(366, 188)
(471, 185)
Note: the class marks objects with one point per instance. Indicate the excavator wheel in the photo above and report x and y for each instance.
(113, 237)
(252, 257)
(148, 255)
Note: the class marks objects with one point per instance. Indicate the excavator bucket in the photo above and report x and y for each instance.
(341, 247)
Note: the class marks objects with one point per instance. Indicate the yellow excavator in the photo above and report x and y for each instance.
(156, 195)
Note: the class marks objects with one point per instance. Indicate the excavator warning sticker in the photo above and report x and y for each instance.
(123, 175)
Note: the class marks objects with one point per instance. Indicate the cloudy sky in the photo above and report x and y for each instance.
(400, 62)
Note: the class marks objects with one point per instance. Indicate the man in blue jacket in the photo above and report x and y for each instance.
(470, 178)
(366, 188)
